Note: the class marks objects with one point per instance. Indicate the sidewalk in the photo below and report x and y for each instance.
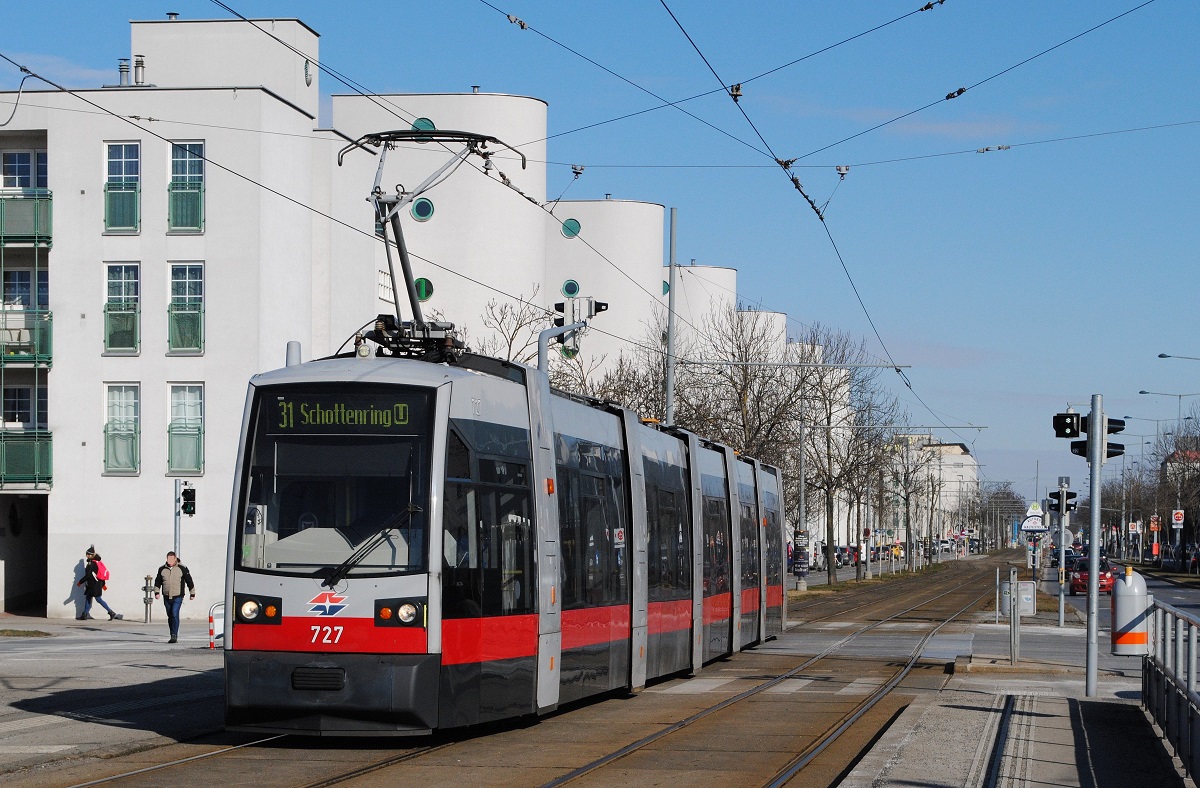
(1028, 724)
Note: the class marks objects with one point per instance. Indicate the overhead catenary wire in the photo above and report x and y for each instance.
(953, 94)
(246, 178)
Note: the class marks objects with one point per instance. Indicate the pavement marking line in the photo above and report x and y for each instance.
(33, 749)
(101, 713)
(696, 686)
(859, 687)
(787, 687)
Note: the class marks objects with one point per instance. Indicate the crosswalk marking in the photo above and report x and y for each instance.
(858, 687)
(787, 686)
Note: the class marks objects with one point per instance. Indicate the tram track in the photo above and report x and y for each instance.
(830, 735)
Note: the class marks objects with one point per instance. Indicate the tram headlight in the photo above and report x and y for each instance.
(257, 609)
(250, 610)
(407, 612)
(400, 612)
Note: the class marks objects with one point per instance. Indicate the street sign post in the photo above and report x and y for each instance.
(1177, 518)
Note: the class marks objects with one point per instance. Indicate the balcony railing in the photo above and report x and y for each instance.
(26, 336)
(122, 327)
(25, 216)
(185, 328)
(185, 447)
(185, 210)
(122, 207)
(26, 457)
(122, 447)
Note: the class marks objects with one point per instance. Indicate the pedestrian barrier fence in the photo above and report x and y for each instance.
(1169, 681)
(215, 613)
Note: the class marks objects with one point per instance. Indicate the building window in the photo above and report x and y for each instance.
(122, 197)
(18, 290)
(23, 170)
(121, 431)
(186, 189)
(122, 326)
(185, 312)
(185, 433)
(23, 408)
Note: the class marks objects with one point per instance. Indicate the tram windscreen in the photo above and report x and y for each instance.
(337, 475)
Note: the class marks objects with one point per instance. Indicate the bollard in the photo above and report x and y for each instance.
(212, 630)
(1130, 613)
(148, 595)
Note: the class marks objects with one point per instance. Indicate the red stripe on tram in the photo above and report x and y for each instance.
(466, 640)
(670, 616)
(718, 607)
(591, 625)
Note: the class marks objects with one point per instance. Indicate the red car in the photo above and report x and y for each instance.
(1077, 577)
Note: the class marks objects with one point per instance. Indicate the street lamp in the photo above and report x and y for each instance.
(1179, 397)
(1168, 355)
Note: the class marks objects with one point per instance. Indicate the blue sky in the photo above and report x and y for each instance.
(1013, 281)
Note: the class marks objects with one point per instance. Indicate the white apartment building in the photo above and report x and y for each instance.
(162, 238)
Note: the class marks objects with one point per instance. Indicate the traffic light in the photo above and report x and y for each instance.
(560, 306)
(188, 500)
(1056, 501)
(1112, 427)
(596, 307)
(1066, 425)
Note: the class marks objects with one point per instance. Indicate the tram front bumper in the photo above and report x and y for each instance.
(331, 694)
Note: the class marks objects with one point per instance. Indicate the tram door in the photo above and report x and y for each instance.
(718, 589)
(749, 538)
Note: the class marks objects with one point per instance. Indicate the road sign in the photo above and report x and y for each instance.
(1177, 518)
(1154, 527)
(1033, 524)
(866, 532)
(1135, 528)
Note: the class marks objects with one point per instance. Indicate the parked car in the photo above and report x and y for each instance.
(1077, 578)
(844, 557)
(1070, 554)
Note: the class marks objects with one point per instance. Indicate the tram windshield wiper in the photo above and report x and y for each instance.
(398, 521)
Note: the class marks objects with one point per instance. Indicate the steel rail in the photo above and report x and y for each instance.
(647, 740)
(807, 756)
(179, 762)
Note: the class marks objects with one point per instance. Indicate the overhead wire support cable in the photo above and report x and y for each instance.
(785, 165)
(960, 91)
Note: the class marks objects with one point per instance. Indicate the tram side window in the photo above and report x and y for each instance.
(570, 540)
(774, 541)
(749, 537)
(598, 545)
(462, 586)
(669, 560)
(506, 555)
(716, 549)
(594, 571)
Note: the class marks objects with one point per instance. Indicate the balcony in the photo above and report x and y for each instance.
(185, 328)
(122, 327)
(25, 217)
(185, 209)
(122, 447)
(26, 458)
(122, 207)
(185, 447)
(26, 337)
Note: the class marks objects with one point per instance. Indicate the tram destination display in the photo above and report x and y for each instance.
(394, 411)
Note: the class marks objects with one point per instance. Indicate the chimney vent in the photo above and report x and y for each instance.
(123, 68)
(139, 69)
(172, 15)
(474, 88)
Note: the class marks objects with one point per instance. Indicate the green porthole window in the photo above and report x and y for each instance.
(422, 209)
(570, 228)
(570, 288)
(423, 124)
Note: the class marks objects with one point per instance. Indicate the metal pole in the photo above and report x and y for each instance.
(670, 394)
(870, 533)
(178, 496)
(1097, 426)
(1063, 518)
(1014, 607)
(802, 523)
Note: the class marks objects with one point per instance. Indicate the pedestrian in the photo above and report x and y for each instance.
(95, 575)
(171, 579)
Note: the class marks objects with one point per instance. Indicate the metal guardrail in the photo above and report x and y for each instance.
(1169, 681)
(213, 634)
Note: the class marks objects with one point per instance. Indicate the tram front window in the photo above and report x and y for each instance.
(331, 483)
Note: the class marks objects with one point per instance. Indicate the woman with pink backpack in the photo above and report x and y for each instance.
(95, 575)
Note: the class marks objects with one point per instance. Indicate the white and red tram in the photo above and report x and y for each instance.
(417, 546)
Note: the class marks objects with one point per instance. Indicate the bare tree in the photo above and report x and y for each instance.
(515, 328)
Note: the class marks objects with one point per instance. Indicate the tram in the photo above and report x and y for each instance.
(423, 538)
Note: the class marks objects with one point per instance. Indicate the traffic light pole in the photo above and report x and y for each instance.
(1063, 518)
(1097, 430)
(178, 505)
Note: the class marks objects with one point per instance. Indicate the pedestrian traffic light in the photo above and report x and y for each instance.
(1066, 425)
(188, 500)
(1056, 501)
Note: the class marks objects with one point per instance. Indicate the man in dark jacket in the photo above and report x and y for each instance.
(93, 587)
(170, 582)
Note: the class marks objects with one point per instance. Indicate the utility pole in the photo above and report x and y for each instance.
(1063, 518)
(670, 393)
(1097, 429)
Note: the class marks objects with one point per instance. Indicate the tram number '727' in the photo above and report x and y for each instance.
(326, 634)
